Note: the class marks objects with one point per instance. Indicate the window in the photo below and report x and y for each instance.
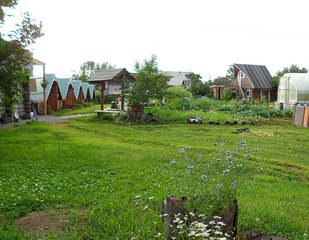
(106, 85)
(242, 75)
(248, 93)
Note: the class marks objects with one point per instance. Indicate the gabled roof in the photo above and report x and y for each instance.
(108, 75)
(85, 89)
(50, 78)
(64, 84)
(37, 96)
(76, 85)
(91, 90)
(177, 78)
(258, 75)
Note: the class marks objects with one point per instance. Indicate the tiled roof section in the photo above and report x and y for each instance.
(258, 75)
(177, 78)
(106, 74)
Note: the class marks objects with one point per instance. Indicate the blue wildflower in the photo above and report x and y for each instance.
(221, 151)
(247, 155)
(256, 149)
(182, 150)
(190, 167)
(228, 157)
(218, 185)
(234, 184)
(222, 144)
(219, 159)
(226, 171)
(239, 165)
(203, 176)
(173, 161)
(234, 153)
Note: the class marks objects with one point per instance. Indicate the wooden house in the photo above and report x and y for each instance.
(110, 82)
(78, 91)
(252, 82)
(67, 92)
(53, 95)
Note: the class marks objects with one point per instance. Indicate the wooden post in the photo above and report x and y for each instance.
(102, 95)
(44, 92)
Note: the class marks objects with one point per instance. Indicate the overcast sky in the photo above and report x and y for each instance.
(203, 36)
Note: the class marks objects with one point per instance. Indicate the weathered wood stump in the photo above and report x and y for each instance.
(174, 208)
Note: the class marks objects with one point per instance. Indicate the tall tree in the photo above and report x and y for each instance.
(90, 67)
(15, 59)
(292, 69)
(150, 83)
(197, 87)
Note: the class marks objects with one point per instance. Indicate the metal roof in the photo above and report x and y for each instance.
(258, 75)
(177, 78)
(64, 84)
(76, 85)
(106, 74)
(85, 89)
(37, 96)
(91, 90)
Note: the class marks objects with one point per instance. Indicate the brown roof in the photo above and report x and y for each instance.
(108, 74)
(258, 75)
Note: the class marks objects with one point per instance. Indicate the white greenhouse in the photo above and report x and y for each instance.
(293, 88)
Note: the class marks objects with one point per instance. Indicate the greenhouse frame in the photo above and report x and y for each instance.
(293, 88)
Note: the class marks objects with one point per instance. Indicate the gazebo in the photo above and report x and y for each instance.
(111, 83)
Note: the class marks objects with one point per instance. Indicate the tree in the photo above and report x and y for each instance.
(197, 87)
(4, 4)
(292, 69)
(150, 83)
(220, 80)
(15, 59)
(90, 67)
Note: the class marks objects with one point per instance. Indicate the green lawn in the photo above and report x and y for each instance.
(119, 174)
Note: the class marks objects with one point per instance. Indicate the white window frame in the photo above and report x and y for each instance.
(248, 93)
(242, 75)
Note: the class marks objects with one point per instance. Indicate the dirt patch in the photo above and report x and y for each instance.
(41, 223)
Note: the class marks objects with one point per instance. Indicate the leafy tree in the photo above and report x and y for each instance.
(197, 88)
(15, 59)
(292, 69)
(90, 67)
(178, 92)
(6, 4)
(149, 83)
(220, 80)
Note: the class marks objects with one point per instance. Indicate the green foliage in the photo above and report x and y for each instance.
(6, 4)
(149, 83)
(90, 67)
(13, 71)
(228, 95)
(197, 87)
(15, 58)
(119, 174)
(177, 92)
(292, 69)
(220, 80)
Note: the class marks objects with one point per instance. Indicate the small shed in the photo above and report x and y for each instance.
(78, 91)
(111, 83)
(67, 93)
(217, 91)
(293, 88)
(53, 95)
